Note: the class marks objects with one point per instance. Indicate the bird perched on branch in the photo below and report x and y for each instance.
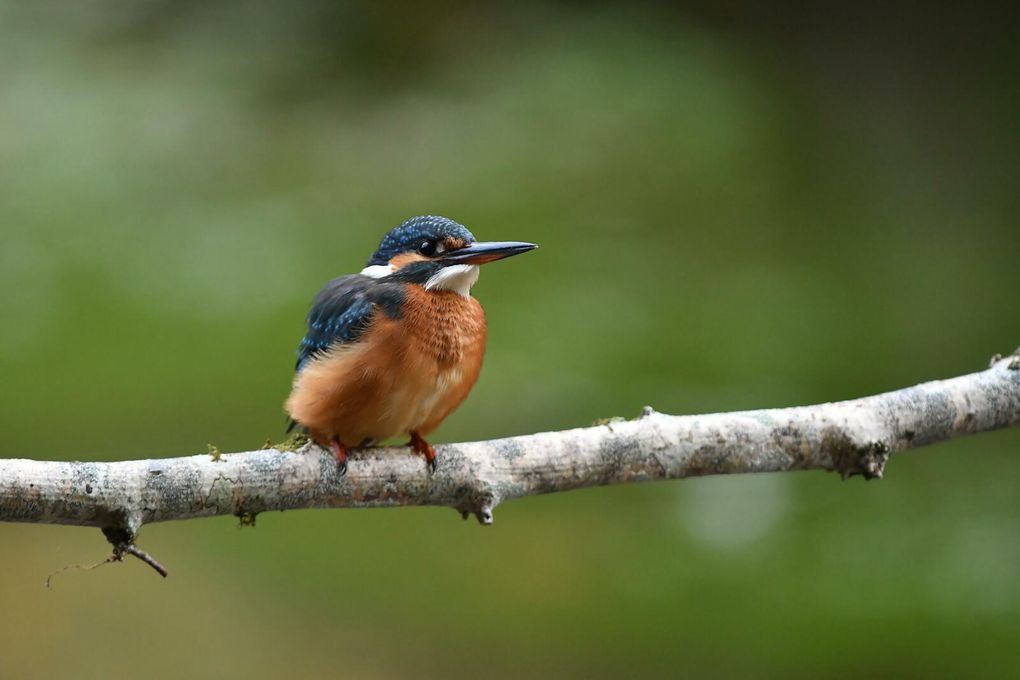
(395, 349)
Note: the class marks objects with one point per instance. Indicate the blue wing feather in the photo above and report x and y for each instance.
(343, 310)
(341, 313)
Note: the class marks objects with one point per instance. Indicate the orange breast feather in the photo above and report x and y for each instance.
(404, 375)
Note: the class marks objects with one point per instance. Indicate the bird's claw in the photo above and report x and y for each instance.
(340, 451)
(424, 448)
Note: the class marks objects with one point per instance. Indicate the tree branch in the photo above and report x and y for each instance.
(850, 437)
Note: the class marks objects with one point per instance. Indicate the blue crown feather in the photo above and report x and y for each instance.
(409, 235)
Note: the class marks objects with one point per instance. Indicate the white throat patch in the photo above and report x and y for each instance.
(458, 278)
(377, 271)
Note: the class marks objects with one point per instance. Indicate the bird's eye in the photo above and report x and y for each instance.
(428, 248)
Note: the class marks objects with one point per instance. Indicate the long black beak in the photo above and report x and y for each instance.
(480, 253)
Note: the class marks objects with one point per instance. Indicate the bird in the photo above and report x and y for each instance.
(396, 348)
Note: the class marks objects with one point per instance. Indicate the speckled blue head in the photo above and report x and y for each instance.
(416, 234)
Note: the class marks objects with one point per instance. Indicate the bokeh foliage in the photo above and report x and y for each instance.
(737, 208)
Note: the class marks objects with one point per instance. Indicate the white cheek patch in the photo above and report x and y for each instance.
(458, 278)
(377, 271)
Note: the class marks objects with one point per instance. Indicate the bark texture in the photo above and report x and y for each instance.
(850, 437)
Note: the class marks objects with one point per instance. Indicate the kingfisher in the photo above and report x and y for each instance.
(395, 349)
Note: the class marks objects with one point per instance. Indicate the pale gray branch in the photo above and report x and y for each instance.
(851, 437)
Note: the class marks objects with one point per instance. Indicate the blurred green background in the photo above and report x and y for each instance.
(739, 206)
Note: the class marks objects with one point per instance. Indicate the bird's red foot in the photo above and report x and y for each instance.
(341, 454)
(425, 449)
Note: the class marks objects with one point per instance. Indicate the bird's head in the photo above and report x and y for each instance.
(437, 253)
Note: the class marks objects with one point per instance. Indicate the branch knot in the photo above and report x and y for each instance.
(849, 458)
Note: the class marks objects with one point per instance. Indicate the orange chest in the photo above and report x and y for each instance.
(443, 327)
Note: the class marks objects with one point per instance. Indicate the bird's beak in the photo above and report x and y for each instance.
(480, 253)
